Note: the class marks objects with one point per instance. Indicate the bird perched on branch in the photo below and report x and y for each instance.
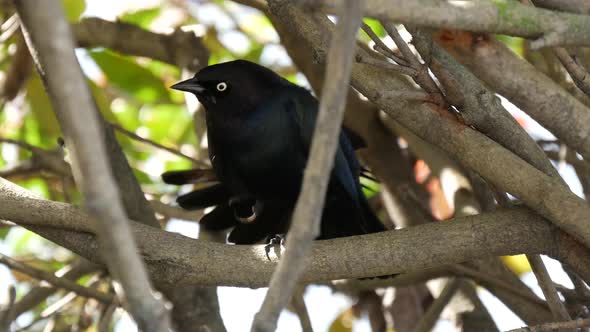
(259, 129)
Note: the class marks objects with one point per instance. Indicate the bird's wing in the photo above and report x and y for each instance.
(303, 114)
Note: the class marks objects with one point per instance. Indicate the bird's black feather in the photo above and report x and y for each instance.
(205, 197)
(260, 129)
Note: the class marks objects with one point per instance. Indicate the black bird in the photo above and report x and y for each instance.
(259, 129)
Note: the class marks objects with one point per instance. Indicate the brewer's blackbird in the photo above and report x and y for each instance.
(259, 129)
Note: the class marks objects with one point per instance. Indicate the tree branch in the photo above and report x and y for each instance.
(501, 17)
(525, 86)
(18, 72)
(578, 73)
(572, 324)
(49, 39)
(7, 314)
(174, 259)
(431, 316)
(305, 225)
(557, 307)
(479, 106)
(138, 138)
(180, 48)
(40, 293)
(55, 281)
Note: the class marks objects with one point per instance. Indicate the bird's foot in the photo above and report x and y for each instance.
(277, 239)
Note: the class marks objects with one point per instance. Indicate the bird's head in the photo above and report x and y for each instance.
(234, 86)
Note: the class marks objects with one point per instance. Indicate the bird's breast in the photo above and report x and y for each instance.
(255, 156)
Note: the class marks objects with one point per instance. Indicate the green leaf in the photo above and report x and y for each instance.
(126, 114)
(36, 185)
(103, 102)
(516, 44)
(73, 9)
(142, 18)
(141, 176)
(23, 242)
(32, 134)
(343, 323)
(370, 187)
(42, 112)
(163, 70)
(127, 75)
(3, 232)
(254, 52)
(165, 122)
(178, 163)
(375, 26)
(42, 127)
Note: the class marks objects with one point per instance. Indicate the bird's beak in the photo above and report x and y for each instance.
(189, 86)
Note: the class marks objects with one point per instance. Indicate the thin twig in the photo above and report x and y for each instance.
(175, 212)
(381, 47)
(9, 27)
(579, 285)
(479, 277)
(571, 295)
(21, 144)
(55, 281)
(40, 293)
(422, 76)
(50, 311)
(557, 307)
(570, 158)
(431, 316)
(571, 324)
(298, 304)
(48, 160)
(51, 45)
(104, 323)
(401, 44)
(18, 72)
(385, 65)
(579, 74)
(7, 314)
(136, 137)
(307, 214)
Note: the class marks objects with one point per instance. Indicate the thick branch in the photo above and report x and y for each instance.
(479, 106)
(174, 259)
(502, 17)
(50, 42)
(529, 89)
(180, 48)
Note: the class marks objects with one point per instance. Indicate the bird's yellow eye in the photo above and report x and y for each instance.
(221, 86)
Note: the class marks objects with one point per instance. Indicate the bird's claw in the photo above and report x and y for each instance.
(277, 239)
